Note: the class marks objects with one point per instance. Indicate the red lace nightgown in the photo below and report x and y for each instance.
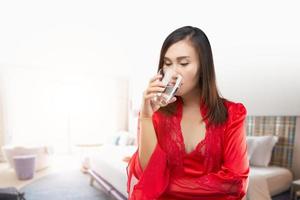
(217, 169)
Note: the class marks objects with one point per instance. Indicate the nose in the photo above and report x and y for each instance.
(177, 70)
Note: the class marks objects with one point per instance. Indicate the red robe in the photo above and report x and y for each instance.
(217, 169)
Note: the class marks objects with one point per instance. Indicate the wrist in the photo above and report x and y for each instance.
(145, 118)
(145, 115)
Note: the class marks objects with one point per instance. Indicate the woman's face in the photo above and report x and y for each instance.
(183, 57)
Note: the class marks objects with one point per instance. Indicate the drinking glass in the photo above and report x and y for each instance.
(171, 79)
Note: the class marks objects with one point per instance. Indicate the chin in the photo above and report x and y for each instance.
(179, 93)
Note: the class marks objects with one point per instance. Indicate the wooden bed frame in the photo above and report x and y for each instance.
(108, 188)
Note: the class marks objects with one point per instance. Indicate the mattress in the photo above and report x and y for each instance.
(109, 165)
(278, 179)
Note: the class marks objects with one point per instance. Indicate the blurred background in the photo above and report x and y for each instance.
(72, 72)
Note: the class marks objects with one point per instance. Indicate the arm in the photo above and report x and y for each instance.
(232, 179)
(148, 165)
(147, 141)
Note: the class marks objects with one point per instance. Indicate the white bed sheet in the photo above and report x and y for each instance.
(278, 179)
(265, 182)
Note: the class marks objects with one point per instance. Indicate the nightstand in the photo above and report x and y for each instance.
(295, 190)
(86, 149)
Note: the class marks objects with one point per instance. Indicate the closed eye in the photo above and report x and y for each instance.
(184, 64)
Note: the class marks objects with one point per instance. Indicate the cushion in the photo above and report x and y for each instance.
(263, 150)
(251, 145)
(125, 138)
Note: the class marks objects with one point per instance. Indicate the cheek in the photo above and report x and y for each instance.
(189, 83)
(185, 87)
(190, 74)
(189, 79)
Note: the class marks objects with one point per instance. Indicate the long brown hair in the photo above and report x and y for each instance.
(216, 110)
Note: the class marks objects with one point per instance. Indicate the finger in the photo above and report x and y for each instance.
(157, 83)
(172, 100)
(155, 106)
(156, 77)
(150, 96)
(154, 89)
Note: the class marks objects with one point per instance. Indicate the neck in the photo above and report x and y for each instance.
(191, 99)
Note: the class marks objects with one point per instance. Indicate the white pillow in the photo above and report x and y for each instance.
(263, 151)
(251, 145)
(125, 138)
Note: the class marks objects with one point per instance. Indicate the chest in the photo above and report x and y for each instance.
(193, 130)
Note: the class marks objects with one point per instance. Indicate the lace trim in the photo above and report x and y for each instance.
(171, 140)
(211, 148)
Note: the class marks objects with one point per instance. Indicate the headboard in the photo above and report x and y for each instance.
(282, 126)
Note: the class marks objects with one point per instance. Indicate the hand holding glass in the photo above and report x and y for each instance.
(172, 81)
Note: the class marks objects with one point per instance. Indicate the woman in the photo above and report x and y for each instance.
(195, 146)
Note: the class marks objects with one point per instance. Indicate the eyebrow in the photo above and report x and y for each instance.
(178, 58)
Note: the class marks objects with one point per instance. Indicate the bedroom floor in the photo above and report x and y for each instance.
(68, 178)
(58, 163)
(8, 177)
(284, 196)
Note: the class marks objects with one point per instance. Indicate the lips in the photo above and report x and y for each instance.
(174, 81)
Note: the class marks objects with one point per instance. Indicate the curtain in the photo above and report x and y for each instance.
(282, 126)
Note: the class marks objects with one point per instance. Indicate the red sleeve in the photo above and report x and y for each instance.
(232, 179)
(151, 182)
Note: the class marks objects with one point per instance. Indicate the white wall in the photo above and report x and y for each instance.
(1, 130)
(255, 47)
(255, 43)
(46, 106)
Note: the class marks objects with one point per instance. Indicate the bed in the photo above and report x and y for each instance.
(266, 182)
(109, 170)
